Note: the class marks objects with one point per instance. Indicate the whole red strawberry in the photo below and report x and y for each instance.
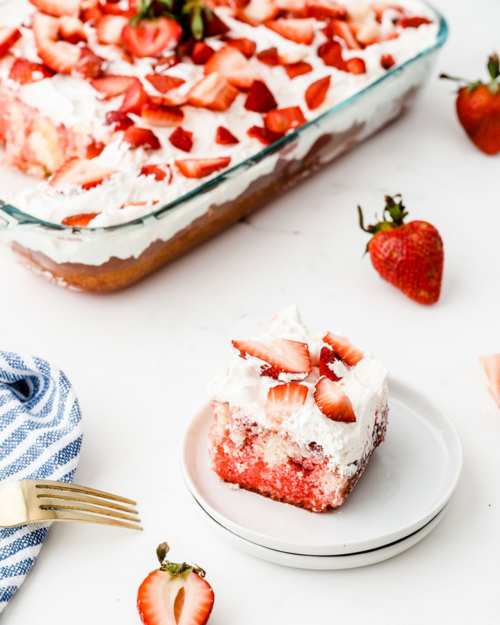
(175, 594)
(478, 109)
(409, 256)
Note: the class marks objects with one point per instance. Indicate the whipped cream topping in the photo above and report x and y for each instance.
(73, 102)
(246, 390)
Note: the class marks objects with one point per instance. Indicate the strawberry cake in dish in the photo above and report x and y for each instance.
(127, 107)
(297, 415)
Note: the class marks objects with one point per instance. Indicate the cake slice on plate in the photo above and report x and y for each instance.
(297, 415)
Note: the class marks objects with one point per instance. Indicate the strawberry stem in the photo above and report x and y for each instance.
(395, 210)
(190, 14)
(493, 70)
(174, 568)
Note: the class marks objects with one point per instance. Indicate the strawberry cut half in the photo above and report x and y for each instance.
(152, 37)
(259, 98)
(160, 172)
(212, 92)
(333, 402)
(328, 357)
(264, 135)
(224, 137)
(109, 29)
(356, 66)
(8, 37)
(80, 172)
(269, 56)
(71, 29)
(59, 56)
(331, 53)
(232, 65)
(25, 72)
(344, 348)
(163, 84)
(298, 69)
(285, 400)
(135, 98)
(323, 10)
(202, 167)
(58, 8)
(285, 355)
(283, 120)
(246, 46)
(300, 30)
(120, 120)
(201, 53)
(491, 366)
(113, 86)
(182, 139)
(387, 61)
(79, 221)
(316, 92)
(160, 115)
(141, 138)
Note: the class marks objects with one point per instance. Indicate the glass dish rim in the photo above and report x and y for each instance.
(22, 218)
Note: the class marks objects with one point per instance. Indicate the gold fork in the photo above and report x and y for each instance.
(32, 501)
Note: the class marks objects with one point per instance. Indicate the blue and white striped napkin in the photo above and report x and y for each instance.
(40, 437)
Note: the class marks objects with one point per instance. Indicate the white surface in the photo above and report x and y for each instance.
(140, 360)
(409, 479)
(321, 563)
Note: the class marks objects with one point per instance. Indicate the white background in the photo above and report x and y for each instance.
(140, 361)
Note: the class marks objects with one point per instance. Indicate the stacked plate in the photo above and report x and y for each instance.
(403, 495)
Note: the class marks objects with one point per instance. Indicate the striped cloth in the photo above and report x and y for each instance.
(40, 437)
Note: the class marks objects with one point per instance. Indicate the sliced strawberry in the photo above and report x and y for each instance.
(135, 98)
(182, 139)
(212, 92)
(368, 34)
(331, 53)
(71, 29)
(79, 221)
(299, 30)
(201, 167)
(116, 8)
(214, 26)
(164, 83)
(232, 65)
(260, 99)
(160, 172)
(286, 355)
(338, 28)
(167, 61)
(94, 149)
(8, 37)
(225, 137)
(160, 115)
(387, 61)
(379, 8)
(296, 8)
(201, 52)
(269, 56)
(344, 348)
(414, 22)
(121, 120)
(80, 172)
(356, 66)
(316, 92)
(283, 120)
(91, 15)
(57, 8)
(285, 400)
(491, 365)
(257, 12)
(328, 357)
(152, 37)
(25, 72)
(333, 402)
(89, 65)
(324, 9)
(113, 86)
(109, 29)
(264, 135)
(246, 46)
(297, 69)
(141, 138)
(58, 56)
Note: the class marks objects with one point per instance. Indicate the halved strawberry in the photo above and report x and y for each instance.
(141, 138)
(285, 400)
(387, 61)
(246, 46)
(94, 149)
(260, 99)
(109, 29)
(269, 56)
(57, 8)
(300, 30)
(182, 139)
(152, 37)
(491, 365)
(414, 22)
(316, 92)
(8, 37)
(121, 120)
(286, 355)
(160, 115)
(25, 72)
(283, 120)
(264, 135)
(80, 172)
(201, 167)
(297, 69)
(338, 28)
(58, 56)
(232, 65)
(328, 357)
(79, 221)
(212, 92)
(71, 29)
(331, 53)
(163, 83)
(344, 348)
(356, 66)
(201, 52)
(160, 172)
(324, 9)
(113, 86)
(135, 98)
(89, 65)
(225, 137)
(333, 402)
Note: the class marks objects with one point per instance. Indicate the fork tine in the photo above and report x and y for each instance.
(53, 494)
(63, 515)
(84, 490)
(82, 507)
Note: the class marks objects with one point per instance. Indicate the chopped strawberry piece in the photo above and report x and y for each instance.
(283, 120)
(338, 28)
(109, 29)
(212, 92)
(344, 348)
(387, 61)
(71, 29)
(491, 365)
(80, 172)
(79, 221)
(135, 98)
(232, 65)
(89, 65)
(296, 8)
(333, 402)
(201, 167)
(91, 15)
(25, 72)
(94, 149)
(269, 56)
(414, 22)
(58, 56)
(201, 52)
(225, 137)
(58, 8)
(257, 12)
(270, 372)
(8, 37)
(160, 115)
(164, 83)
(331, 53)
(160, 172)
(165, 62)
(297, 69)
(152, 37)
(316, 93)
(115, 8)
(368, 34)
(246, 46)
(121, 120)
(214, 25)
(113, 86)
(141, 138)
(285, 400)
(264, 135)
(182, 139)
(288, 356)
(328, 357)
(324, 9)
(299, 30)
(260, 99)
(356, 66)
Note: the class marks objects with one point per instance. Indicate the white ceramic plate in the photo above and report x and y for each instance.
(322, 563)
(408, 481)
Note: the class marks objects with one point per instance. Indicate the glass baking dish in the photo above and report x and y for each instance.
(102, 260)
